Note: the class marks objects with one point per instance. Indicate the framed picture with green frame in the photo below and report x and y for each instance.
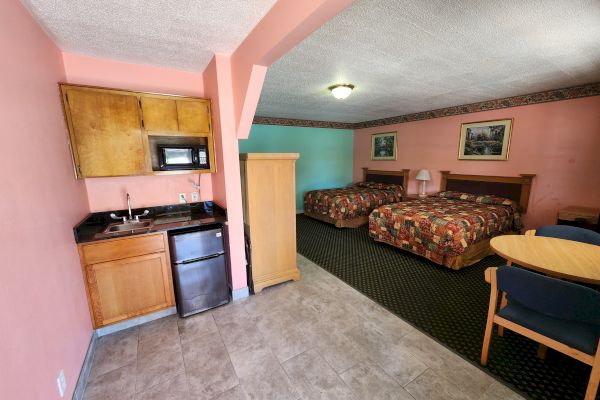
(383, 146)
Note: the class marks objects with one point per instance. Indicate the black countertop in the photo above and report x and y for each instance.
(166, 218)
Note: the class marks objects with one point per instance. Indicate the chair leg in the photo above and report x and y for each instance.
(490, 276)
(592, 387)
(486, 341)
(503, 303)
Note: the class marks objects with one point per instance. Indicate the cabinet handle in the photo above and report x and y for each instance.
(141, 112)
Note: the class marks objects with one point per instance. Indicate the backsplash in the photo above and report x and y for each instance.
(106, 194)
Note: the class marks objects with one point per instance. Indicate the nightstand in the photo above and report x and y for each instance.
(415, 196)
(583, 217)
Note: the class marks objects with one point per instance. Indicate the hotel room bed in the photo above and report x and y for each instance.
(454, 228)
(350, 207)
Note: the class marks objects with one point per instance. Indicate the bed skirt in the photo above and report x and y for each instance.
(340, 223)
(472, 254)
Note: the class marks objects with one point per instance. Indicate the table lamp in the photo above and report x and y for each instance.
(423, 175)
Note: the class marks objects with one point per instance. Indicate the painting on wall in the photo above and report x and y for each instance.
(487, 140)
(383, 146)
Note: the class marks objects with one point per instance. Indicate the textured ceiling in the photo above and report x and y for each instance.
(181, 34)
(412, 56)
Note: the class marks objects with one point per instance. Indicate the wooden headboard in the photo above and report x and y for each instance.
(511, 187)
(396, 177)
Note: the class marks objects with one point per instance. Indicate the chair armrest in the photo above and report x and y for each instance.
(530, 232)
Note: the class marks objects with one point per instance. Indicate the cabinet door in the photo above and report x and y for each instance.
(129, 287)
(106, 135)
(193, 116)
(160, 115)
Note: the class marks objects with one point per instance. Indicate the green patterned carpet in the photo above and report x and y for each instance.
(450, 306)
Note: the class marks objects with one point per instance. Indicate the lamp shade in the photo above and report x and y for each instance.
(423, 175)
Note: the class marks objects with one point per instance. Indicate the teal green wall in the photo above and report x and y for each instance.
(325, 154)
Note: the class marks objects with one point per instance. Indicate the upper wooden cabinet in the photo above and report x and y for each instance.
(160, 115)
(164, 115)
(109, 129)
(105, 132)
(193, 116)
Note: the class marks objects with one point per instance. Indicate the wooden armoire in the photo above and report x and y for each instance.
(269, 200)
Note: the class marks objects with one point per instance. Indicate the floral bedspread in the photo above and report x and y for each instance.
(351, 202)
(443, 225)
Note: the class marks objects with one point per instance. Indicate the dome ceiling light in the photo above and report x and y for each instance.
(341, 91)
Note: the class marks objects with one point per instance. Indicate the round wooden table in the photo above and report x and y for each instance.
(561, 258)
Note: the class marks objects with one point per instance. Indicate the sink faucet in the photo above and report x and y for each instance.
(131, 218)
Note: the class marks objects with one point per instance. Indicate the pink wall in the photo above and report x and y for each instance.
(45, 323)
(211, 87)
(286, 24)
(108, 193)
(558, 141)
(235, 83)
(120, 75)
(218, 84)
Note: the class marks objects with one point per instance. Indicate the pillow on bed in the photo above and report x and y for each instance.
(480, 198)
(379, 186)
(488, 199)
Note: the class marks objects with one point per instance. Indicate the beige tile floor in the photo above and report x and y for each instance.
(314, 339)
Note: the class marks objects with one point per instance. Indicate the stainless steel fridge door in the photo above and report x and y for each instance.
(196, 244)
(200, 285)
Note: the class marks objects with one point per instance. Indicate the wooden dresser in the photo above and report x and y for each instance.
(269, 199)
(583, 217)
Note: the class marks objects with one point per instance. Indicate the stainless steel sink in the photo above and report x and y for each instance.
(128, 226)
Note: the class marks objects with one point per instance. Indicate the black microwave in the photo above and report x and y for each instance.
(181, 157)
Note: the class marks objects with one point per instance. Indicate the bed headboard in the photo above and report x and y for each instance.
(396, 177)
(511, 187)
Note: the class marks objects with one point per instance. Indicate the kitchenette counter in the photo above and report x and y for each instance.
(165, 218)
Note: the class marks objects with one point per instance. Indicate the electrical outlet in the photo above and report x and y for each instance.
(61, 381)
(182, 198)
(195, 197)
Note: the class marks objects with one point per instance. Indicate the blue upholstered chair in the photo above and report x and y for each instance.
(569, 233)
(559, 314)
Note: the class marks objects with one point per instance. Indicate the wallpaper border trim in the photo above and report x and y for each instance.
(575, 92)
(306, 123)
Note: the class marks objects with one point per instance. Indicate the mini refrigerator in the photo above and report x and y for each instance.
(199, 269)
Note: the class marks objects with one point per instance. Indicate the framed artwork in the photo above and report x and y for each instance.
(486, 140)
(383, 146)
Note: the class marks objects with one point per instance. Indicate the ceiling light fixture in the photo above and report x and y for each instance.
(341, 91)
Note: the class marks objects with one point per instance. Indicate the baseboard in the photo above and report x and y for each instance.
(135, 321)
(299, 211)
(85, 369)
(240, 293)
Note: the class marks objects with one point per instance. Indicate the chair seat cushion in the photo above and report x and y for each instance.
(581, 336)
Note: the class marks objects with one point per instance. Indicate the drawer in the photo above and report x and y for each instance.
(116, 249)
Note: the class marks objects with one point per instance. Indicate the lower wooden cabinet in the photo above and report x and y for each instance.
(131, 283)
